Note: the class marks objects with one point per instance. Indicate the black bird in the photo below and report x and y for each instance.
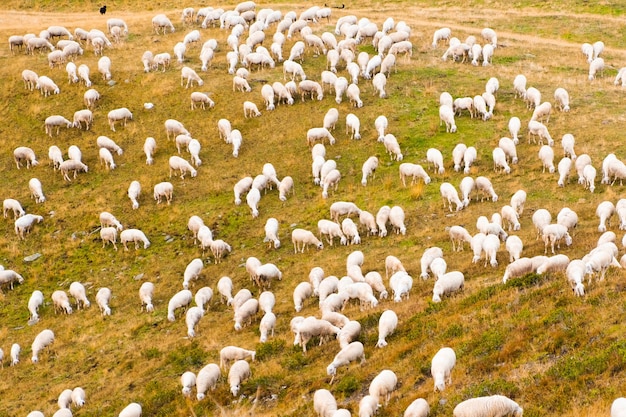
(103, 9)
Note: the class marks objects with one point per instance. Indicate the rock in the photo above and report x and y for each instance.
(138, 277)
(33, 257)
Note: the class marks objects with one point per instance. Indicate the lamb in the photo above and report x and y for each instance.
(324, 403)
(61, 302)
(441, 367)
(352, 352)
(134, 235)
(145, 294)
(77, 290)
(24, 224)
(561, 98)
(494, 405)
(179, 300)
(116, 115)
(383, 385)
(131, 410)
(604, 211)
(450, 194)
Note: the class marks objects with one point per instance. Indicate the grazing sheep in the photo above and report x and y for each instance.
(514, 246)
(392, 147)
(189, 75)
(387, 324)
(134, 191)
(446, 115)
(494, 405)
(604, 212)
(354, 351)
(239, 372)
(134, 235)
(383, 385)
(561, 97)
(595, 66)
(441, 367)
(15, 354)
(131, 410)
(188, 381)
(192, 318)
(450, 194)
(554, 233)
(546, 156)
(250, 110)
(61, 302)
(24, 224)
(589, 177)
(13, 205)
(179, 300)
(484, 186)
(447, 283)
(401, 284)
(55, 121)
(304, 238)
(418, 408)
(207, 379)
(324, 403)
(77, 290)
(35, 300)
(164, 189)
(176, 163)
(458, 235)
(43, 340)
(202, 99)
(116, 115)
(618, 407)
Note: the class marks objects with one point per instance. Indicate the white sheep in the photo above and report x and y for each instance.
(55, 122)
(491, 245)
(116, 115)
(192, 272)
(466, 186)
(514, 246)
(604, 212)
(77, 290)
(192, 318)
(468, 158)
(595, 66)
(564, 167)
(266, 273)
(61, 302)
(494, 405)
(250, 110)
(35, 300)
(441, 366)
(483, 185)
(447, 283)
(293, 68)
(589, 177)
(351, 231)
(383, 385)
(131, 410)
(207, 379)
(418, 408)
(10, 204)
(304, 237)
(252, 199)
(499, 161)
(546, 156)
(46, 86)
(458, 235)
(179, 300)
(324, 403)
(43, 340)
(15, 354)
(387, 324)
(556, 263)
(103, 297)
(618, 407)
(450, 195)
(392, 147)
(239, 372)
(401, 284)
(134, 235)
(188, 381)
(561, 98)
(176, 163)
(553, 234)
(190, 76)
(162, 22)
(24, 224)
(354, 351)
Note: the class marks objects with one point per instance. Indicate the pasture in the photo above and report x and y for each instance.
(530, 339)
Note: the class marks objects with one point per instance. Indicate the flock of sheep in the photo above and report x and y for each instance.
(366, 288)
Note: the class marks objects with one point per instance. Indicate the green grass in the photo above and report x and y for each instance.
(529, 339)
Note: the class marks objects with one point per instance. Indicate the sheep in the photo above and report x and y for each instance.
(202, 99)
(555, 263)
(553, 233)
(450, 194)
(207, 379)
(352, 352)
(542, 111)
(108, 234)
(387, 324)
(353, 93)
(131, 410)
(491, 245)
(35, 300)
(192, 272)
(595, 66)
(618, 407)
(179, 300)
(494, 405)
(392, 147)
(302, 291)
(600, 259)
(564, 168)
(514, 246)
(265, 273)
(252, 199)
(518, 268)
(134, 235)
(561, 98)
(24, 224)
(620, 209)
(116, 115)
(396, 218)
(46, 86)
(61, 302)
(15, 354)
(418, 408)
(245, 312)
(447, 283)
(367, 406)
(219, 249)
(177, 163)
(304, 237)
(441, 366)
(604, 211)
(468, 158)
(188, 381)
(312, 327)
(331, 230)
(65, 399)
(13, 205)
(250, 110)
(467, 186)
(546, 156)
(161, 22)
(351, 231)
(499, 160)
(458, 235)
(324, 403)
(589, 177)
(192, 318)
(401, 284)
(343, 208)
(30, 78)
(77, 290)
(383, 385)
(484, 186)
(54, 123)
(480, 108)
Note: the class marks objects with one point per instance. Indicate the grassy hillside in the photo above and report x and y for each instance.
(530, 339)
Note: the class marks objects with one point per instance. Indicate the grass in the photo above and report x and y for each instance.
(529, 339)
